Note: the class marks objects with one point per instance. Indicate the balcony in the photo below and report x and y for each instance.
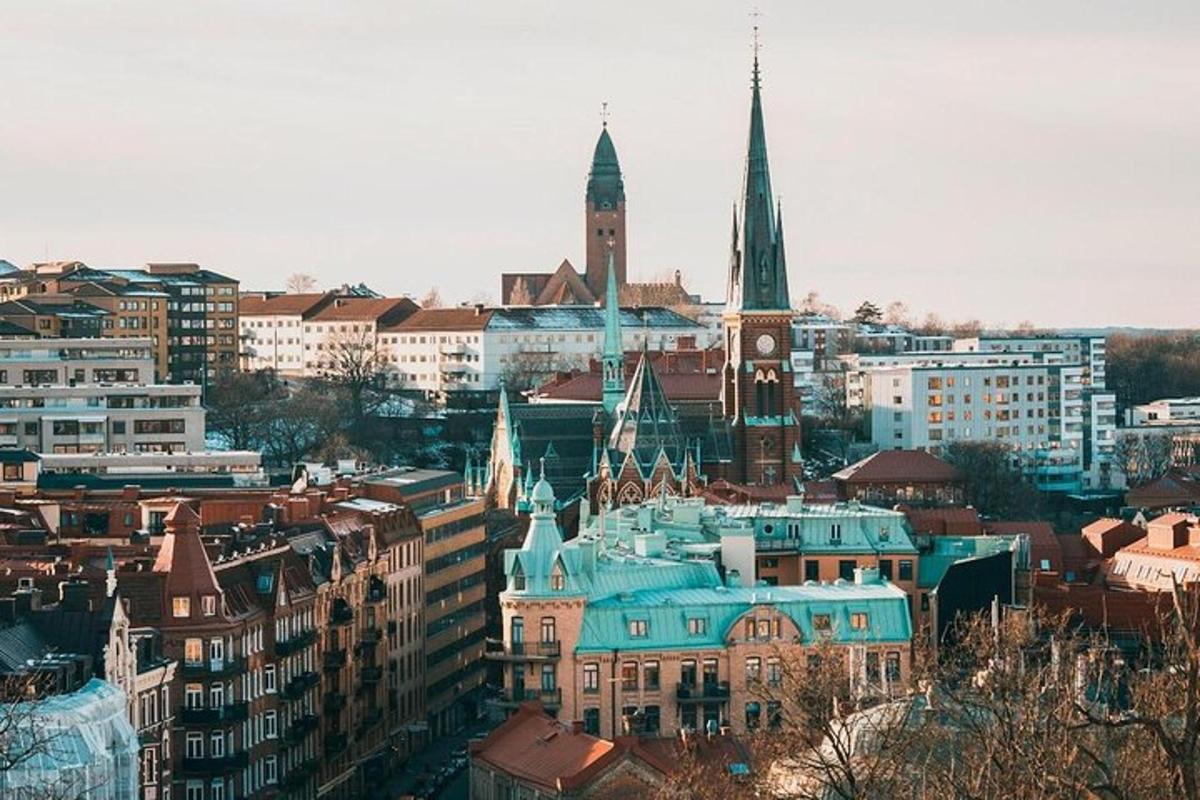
(334, 702)
(372, 674)
(334, 743)
(214, 667)
(705, 692)
(214, 766)
(299, 730)
(333, 660)
(370, 636)
(300, 684)
(547, 697)
(295, 644)
(376, 591)
(523, 651)
(455, 349)
(342, 613)
(235, 712)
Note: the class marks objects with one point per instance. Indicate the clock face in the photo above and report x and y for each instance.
(765, 344)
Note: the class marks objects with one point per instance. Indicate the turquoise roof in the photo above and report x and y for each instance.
(666, 613)
(950, 549)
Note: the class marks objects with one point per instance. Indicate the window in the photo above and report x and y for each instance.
(591, 721)
(217, 744)
(549, 683)
(697, 626)
(271, 724)
(629, 676)
(208, 605)
(638, 628)
(906, 570)
(822, 622)
(893, 667)
(859, 621)
(193, 696)
(193, 651)
(517, 626)
(181, 606)
(195, 745)
(650, 675)
(216, 649)
(217, 791)
(774, 672)
(885, 568)
(835, 533)
(753, 670)
(270, 770)
(711, 672)
(687, 717)
(558, 580)
(753, 712)
(687, 672)
(651, 720)
(269, 679)
(149, 766)
(518, 579)
(846, 569)
(812, 570)
(591, 678)
(548, 630)
(195, 790)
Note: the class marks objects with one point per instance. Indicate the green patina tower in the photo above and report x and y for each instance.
(604, 209)
(613, 363)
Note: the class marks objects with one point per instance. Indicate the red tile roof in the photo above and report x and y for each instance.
(1104, 537)
(945, 521)
(1179, 487)
(1098, 607)
(899, 466)
(369, 309)
(258, 306)
(1044, 544)
(587, 387)
(535, 748)
(444, 319)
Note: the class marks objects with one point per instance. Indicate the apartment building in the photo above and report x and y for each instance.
(272, 331)
(1036, 409)
(455, 553)
(55, 315)
(189, 313)
(474, 348)
(645, 637)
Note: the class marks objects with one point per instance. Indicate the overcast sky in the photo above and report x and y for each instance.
(1006, 160)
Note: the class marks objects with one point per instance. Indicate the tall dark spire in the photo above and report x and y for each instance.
(757, 268)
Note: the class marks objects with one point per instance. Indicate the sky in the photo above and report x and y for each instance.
(1007, 160)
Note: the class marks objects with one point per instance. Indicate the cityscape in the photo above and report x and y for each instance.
(315, 531)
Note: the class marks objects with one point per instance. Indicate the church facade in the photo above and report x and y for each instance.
(632, 443)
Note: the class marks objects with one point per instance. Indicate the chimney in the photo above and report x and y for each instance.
(478, 309)
(27, 601)
(74, 596)
(576, 727)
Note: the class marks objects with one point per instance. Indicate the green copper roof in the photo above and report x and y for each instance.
(614, 351)
(606, 623)
(605, 188)
(947, 550)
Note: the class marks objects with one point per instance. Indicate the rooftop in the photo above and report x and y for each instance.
(897, 466)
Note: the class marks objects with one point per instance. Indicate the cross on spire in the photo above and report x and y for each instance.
(754, 15)
(604, 114)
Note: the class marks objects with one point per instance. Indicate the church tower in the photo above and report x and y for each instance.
(613, 363)
(758, 392)
(605, 216)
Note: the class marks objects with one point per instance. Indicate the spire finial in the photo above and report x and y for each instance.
(542, 465)
(754, 15)
(604, 114)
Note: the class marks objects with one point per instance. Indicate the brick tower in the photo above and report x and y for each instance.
(758, 393)
(605, 216)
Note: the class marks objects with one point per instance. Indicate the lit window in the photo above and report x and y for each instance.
(858, 621)
(208, 605)
(638, 628)
(181, 606)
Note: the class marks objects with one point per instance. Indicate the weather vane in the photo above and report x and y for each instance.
(604, 114)
(754, 15)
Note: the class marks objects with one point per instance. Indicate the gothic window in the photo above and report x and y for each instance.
(630, 494)
(518, 578)
(558, 578)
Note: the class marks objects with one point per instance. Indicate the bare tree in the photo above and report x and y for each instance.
(358, 366)
(529, 369)
(432, 299)
(897, 313)
(300, 283)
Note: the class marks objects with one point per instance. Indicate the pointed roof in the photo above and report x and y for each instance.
(614, 349)
(605, 188)
(564, 288)
(645, 423)
(758, 268)
(182, 557)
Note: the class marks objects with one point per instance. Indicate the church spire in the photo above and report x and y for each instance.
(613, 364)
(757, 269)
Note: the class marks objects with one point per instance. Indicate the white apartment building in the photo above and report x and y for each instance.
(295, 334)
(472, 348)
(93, 395)
(1164, 412)
(1037, 409)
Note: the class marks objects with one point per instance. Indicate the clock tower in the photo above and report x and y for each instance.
(758, 392)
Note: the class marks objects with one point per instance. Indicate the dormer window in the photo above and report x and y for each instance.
(835, 533)
(558, 580)
(181, 607)
(885, 533)
(208, 604)
(518, 579)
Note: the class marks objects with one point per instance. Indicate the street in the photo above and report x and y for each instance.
(431, 775)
